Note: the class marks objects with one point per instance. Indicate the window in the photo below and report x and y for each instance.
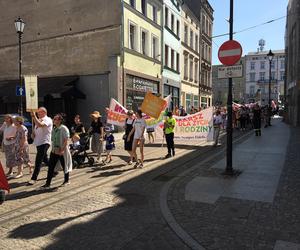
(166, 55)
(282, 64)
(191, 39)
(273, 64)
(177, 62)
(144, 43)
(186, 66)
(188, 100)
(196, 71)
(209, 54)
(252, 90)
(203, 45)
(209, 29)
(252, 65)
(262, 76)
(154, 13)
(154, 47)
(166, 16)
(203, 23)
(172, 59)
(196, 101)
(196, 43)
(262, 65)
(252, 77)
(132, 3)
(132, 36)
(172, 22)
(185, 33)
(178, 28)
(281, 75)
(273, 75)
(144, 7)
(191, 69)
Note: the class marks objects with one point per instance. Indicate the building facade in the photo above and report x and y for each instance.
(292, 44)
(190, 59)
(206, 21)
(141, 65)
(171, 51)
(220, 87)
(257, 77)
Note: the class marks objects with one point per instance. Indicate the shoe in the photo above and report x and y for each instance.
(31, 182)
(141, 165)
(55, 174)
(9, 174)
(168, 156)
(136, 165)
(173, 153)
(109, 161)
(18, 176)
(45, 187)
(65, 183)
(129, 163)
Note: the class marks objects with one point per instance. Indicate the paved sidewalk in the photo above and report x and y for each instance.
(259, 209)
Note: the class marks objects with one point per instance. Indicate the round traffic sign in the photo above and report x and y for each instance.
(230, 52)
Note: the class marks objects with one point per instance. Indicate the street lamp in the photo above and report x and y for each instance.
(270, 57)
(20, 24)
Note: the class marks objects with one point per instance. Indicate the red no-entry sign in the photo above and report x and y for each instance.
(230, 52)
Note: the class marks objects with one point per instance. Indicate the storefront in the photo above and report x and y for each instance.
(136, 88)
(174, 92)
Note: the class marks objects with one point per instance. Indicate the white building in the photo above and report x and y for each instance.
(257, 76)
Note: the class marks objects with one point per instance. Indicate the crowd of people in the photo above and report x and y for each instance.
(65, 142)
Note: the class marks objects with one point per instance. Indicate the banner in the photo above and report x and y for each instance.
(153, 105)
(31, 91)
(3, 181)
(198, 126)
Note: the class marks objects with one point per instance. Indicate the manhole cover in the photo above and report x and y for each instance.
(131, 200)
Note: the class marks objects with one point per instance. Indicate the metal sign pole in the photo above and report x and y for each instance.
(229, 168)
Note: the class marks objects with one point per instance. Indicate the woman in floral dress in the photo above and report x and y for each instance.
(21, 147)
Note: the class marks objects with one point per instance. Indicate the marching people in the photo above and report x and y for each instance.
(138, 131)
(59, 151)
(21, 147)
(109, 144)
(77, 127)
(9, 138)
(97, 131)
(217, 122)
(41, 139)
(169, 126)
(257, 120)
(128, 141)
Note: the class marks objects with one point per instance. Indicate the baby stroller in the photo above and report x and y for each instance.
(79, 153)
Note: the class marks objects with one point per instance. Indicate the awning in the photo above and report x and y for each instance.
(62, 86)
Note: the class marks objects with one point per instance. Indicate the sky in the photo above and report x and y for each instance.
(248, 13)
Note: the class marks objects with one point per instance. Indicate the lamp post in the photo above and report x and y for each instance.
(270, 57)
(20, 24)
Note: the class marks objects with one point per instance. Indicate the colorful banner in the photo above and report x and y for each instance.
(198, 126)
(153, 105)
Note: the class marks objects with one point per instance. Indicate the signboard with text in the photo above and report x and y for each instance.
(31, 92)
(235, 71)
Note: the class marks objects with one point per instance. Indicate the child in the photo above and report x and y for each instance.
(109, 145)
(74, 147)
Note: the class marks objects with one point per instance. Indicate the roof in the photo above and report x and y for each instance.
(282, 51)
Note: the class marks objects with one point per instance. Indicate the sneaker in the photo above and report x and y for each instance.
(18, 176)
(136, 164)
(65, 183)
(129, 163)
(168, 156)
(31, 182)
(45, 187)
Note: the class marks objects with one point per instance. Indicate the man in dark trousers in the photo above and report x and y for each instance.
(169, 126)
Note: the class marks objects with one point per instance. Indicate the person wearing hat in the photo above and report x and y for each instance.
(97, 132)
(21, 147)
(169, 126)
(128, 127)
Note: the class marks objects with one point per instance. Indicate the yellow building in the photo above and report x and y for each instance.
(190, 33)
(141, 65)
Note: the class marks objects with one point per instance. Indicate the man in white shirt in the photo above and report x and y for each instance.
(42, 139)
(217, 126)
